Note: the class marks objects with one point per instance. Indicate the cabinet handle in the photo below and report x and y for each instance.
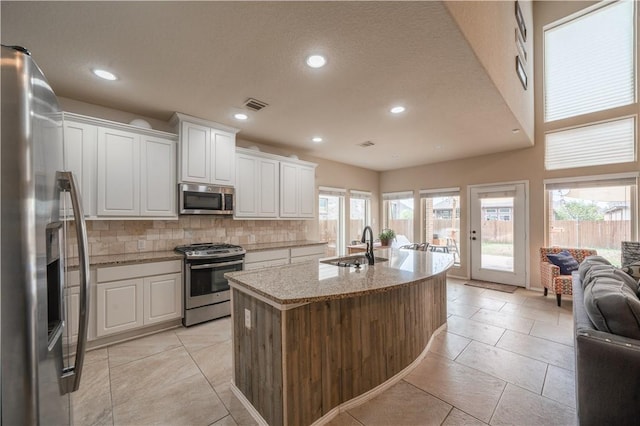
(215, 265)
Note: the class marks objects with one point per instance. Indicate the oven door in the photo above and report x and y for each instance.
(205, 283)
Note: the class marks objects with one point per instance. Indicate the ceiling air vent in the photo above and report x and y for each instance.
(366, 144)
(255, 104)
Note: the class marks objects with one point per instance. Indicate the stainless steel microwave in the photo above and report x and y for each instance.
(205, 199)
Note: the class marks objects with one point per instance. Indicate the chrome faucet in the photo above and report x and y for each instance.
(369, 253)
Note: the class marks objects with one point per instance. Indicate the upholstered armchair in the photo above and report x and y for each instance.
(550, 274)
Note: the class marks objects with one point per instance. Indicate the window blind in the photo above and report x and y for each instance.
(589, 62)
(338, 192)
(591, 181)
(397, 195)
(434, 193)
(596, 144)
(360, 194)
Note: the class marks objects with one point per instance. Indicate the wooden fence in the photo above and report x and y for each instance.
(592, 234)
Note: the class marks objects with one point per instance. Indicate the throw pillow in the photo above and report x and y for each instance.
(612, 307)
(564, 261)
(633, 269)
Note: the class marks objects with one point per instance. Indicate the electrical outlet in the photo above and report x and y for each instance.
(141, 244)
(247, 318)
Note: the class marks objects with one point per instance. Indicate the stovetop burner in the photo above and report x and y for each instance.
(209, 250)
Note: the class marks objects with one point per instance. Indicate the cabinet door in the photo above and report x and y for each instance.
(289, 204)
(268, 189)
(119, 306)
(246, 186)
(158, 177)
(80, 157)
(162, 298)
(307, 190)
(118, 173)
(223, 155)
(195, 153)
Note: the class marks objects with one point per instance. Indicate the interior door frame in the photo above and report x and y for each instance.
(527, 255)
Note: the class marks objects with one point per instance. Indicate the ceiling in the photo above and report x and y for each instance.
(206, 58)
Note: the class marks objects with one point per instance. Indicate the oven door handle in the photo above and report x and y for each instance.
(215, 265)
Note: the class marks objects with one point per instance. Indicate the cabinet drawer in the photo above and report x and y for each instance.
(269, 263)
(114, 273)
(308, 250)
(262, 256)
(299, 259)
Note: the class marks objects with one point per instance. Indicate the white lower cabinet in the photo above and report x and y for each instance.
(133, 296)
(306, 253)
(119, 306)
(278, 257)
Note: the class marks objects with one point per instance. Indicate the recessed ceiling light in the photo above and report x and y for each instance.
(105, 74)
(514, 131)
(397, 109)
(317, 139)
(316, 61)
(240, 116)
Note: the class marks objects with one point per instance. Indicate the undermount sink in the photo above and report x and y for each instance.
(355, 261)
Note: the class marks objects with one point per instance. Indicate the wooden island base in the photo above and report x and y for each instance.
(298, 362)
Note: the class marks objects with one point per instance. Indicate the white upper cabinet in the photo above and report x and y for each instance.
(272, 186)
(122, 170)
(80, 157)
(297, 190)
(207, 151)
(118, 173)
(157, 177)
(256, 185)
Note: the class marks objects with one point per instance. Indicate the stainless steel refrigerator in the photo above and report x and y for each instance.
(41, 365)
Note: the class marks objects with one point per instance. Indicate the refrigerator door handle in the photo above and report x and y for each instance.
(71, 375)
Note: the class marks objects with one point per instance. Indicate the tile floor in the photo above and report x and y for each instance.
(504, 359)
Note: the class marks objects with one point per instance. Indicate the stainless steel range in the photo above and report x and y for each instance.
(206, 290)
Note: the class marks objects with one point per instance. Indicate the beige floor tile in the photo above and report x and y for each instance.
(556, 333)
(511, 367)
(215, 362)
(559, 385)
(225, 421)
(521, 407)
(470, 390)
(460, 418)
(565, 319)
(207, 334)
(95, 355)
(453, 280)
(508, 321)
(187, 401)
(532, 292)
(92, 401)
(448, 345)
(537, 348)
(531, 313)
(460, 309)
(146, 376)
(402, 404)
(133, 350)
(234, 406)
(514, 298)
(475, 330)
(481, 302)
(543, 303)
(343, 419)
(458, 290)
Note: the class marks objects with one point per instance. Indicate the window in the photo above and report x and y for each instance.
(441, 219)
(594, 212)
(331, 219)
(589, 87)
(589, 61)
(359, 213)
(398, 214)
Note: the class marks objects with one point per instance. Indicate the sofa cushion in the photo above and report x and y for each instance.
(633, 269)
(564, 261)
(590, 261)
(610, 271)
(613, 307)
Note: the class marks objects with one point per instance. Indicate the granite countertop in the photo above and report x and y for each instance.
(128, 258)
(315, 281)
(279, 245)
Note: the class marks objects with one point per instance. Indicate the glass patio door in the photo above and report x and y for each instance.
(498, 234)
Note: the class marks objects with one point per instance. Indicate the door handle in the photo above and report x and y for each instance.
(473, 238)
(71, 375)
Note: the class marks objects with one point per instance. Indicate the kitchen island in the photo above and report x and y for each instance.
(309, 337)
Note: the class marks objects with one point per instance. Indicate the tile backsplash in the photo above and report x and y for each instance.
(107, 237)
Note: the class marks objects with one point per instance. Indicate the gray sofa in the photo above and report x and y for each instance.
(607, 364)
